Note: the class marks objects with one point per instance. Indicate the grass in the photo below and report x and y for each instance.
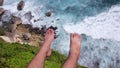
(16, 55)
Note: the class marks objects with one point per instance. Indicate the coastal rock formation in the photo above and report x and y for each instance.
(48, 14)
(16, 20)
(6, 17)
(16, 30)
(1, 2)
(20, 5)
(1, 11)
(27, 36)
(27, 17)
(8, 27)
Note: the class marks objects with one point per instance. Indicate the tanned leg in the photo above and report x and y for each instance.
(74, 53)
(39, 60)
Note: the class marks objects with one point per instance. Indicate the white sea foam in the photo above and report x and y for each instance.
(105, 25)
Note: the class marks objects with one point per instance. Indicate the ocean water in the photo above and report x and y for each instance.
(98, 21)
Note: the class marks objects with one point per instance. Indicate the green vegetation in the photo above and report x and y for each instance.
(16, 55)
(2, 32)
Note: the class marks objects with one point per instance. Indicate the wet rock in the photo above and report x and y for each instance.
(1, 2)
(27, 36)
(54, 28)
(20, 5)
(43, 30)
(28, 26)
(57, 19)
(6, 17)
(48, 14)
(36, 30)
(16, 20)
(27, 17)
(1, 11)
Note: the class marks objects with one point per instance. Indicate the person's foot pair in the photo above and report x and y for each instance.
(75, 42)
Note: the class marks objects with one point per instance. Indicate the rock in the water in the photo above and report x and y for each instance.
(16, 20)
(6, 17)
(1, 11)
(1, 2)
(21, 5)
(54, 28)
(27, 17)
(48, 14)
(26, 36)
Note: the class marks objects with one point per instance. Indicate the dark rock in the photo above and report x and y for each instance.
(1, 2)
(26, 36)
(54, 28)
(28, 26)
(48, 14)
(35, 20)
(35, 30)
(57, 19)
(43, 30)
(1, 11)
(20, 5)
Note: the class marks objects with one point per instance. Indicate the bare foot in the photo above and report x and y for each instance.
(75, 44)
(49, 37)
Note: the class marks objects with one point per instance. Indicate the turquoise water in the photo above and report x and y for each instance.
(97, 21)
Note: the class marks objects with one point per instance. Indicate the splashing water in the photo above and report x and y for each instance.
(97, 20)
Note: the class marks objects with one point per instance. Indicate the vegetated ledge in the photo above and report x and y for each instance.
(15, 55)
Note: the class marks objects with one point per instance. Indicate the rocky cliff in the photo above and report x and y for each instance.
(15, 31)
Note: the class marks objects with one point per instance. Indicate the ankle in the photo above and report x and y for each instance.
(74, 54)
(47, 42)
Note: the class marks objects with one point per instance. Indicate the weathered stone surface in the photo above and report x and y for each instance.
(27, 17)
(1, 11)
(6, 17)
(21, 5)
(8, 27)
(26, 36)
(1, 2)
(28, 26)
(16, 20)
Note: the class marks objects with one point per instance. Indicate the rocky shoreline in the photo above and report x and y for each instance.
(16, 31)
